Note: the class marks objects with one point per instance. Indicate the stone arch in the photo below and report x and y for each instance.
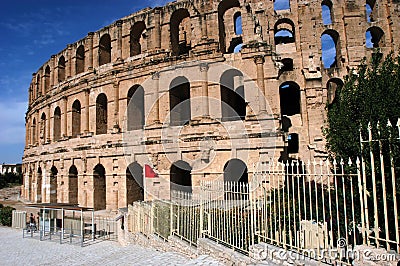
(135, 103)
(330, 48)
(326, 7)
(80, 59)
(223, 7)
(47, 73)
(73, 185)
(235, 170)
(233, 104)
(99, 187)
(34, 130)
(61, 69)
(134, 183)
(181, 31)
(237, 22)
(39, 197)
(53, 184)
(289, 93)
(333, 86)
(43, 128)
(179, 101)
(181, 177)
(76, 118)
(370, 10)
(104, 49)
(374, 37)
(57, 124)
(136, 40)
(101, 114)
(284, 31)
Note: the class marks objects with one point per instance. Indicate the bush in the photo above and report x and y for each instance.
(6, 215)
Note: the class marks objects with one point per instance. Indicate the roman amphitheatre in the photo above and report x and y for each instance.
(194, 90)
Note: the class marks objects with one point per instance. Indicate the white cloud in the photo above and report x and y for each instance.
(12, 118)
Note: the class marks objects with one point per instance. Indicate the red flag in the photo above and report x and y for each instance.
(149, 172)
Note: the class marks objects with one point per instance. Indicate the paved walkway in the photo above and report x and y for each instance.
(16, 250)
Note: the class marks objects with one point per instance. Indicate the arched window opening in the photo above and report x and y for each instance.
(370, 10)
(47, 79)
(181, 177)
(105, 50)
(34, 137)
(179, 101)
(73, 185)
(224, 29)
(134, 183)
(235, 172)
(99, 187)
(333, 87)
(374, 37)
(61, 69)
(43, 122)
(326, 12)
(136, 38)
(289, 93)
(233, 105)
(39, 197)
(101, 114)
(57, 124)
(80, 59)
(135, 103)
(53, 184)
(76, 118)
(181, 31)
(293, 143)
(236, 45)
(281, 5)
(330, 49)
(237, 20)
(284, 32)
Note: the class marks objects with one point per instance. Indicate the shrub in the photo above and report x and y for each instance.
(6, 215)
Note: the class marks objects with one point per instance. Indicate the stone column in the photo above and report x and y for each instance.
(116, 106)
(53, 71)
(64, 118)
(43, 84)
(90, 50)
(119, 41)
(86, 121)
(69, 64)
(37, 141)
(48, 136)
(156, 80)
(27, 125)
(157, 29)
(259, 60)
(204, 88)
(204, 26)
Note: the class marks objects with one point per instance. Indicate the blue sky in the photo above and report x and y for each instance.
(31, 32)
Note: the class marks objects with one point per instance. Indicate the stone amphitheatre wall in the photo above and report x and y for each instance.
(80, 140)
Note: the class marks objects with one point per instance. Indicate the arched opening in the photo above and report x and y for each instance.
(330, 49)
(223, 7)
(179, 101)
(73, 185)
(57, 124)
(374, 37)
(293, 143)
(181, 177)
(39, 197)
(43, 128)
(289, 93)
(236, 45)
(99, 187)
(136, 38)
(76, 118)
(53, 184)
(237, 22)
(369, 10)
(233, 105)
(34, 137)
(326, 12)
(333, 87)
(105, 50)
(284, 32)
(235, 172)
(80, 59)
(181, 31)
(134, 183)
(281, 5)
(47, 79)
(135, 103)
(101, 114)
(61, 69)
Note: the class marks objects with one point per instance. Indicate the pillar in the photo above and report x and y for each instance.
(259, 60)
(55, 78)
(47, 137)
(43, 83)
(69, 63)
(64, 118)
(157, 28)
(204, 88)
(119, 41)
(156, 80)
(52, 71)
(116, 105)
(86, 118)
(90, 50)
(204, 27)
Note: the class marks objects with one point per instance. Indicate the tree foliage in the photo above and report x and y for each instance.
(370, 94)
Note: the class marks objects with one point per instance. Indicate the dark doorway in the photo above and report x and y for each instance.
(99, 187)
(134, 183)
(181, 177)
